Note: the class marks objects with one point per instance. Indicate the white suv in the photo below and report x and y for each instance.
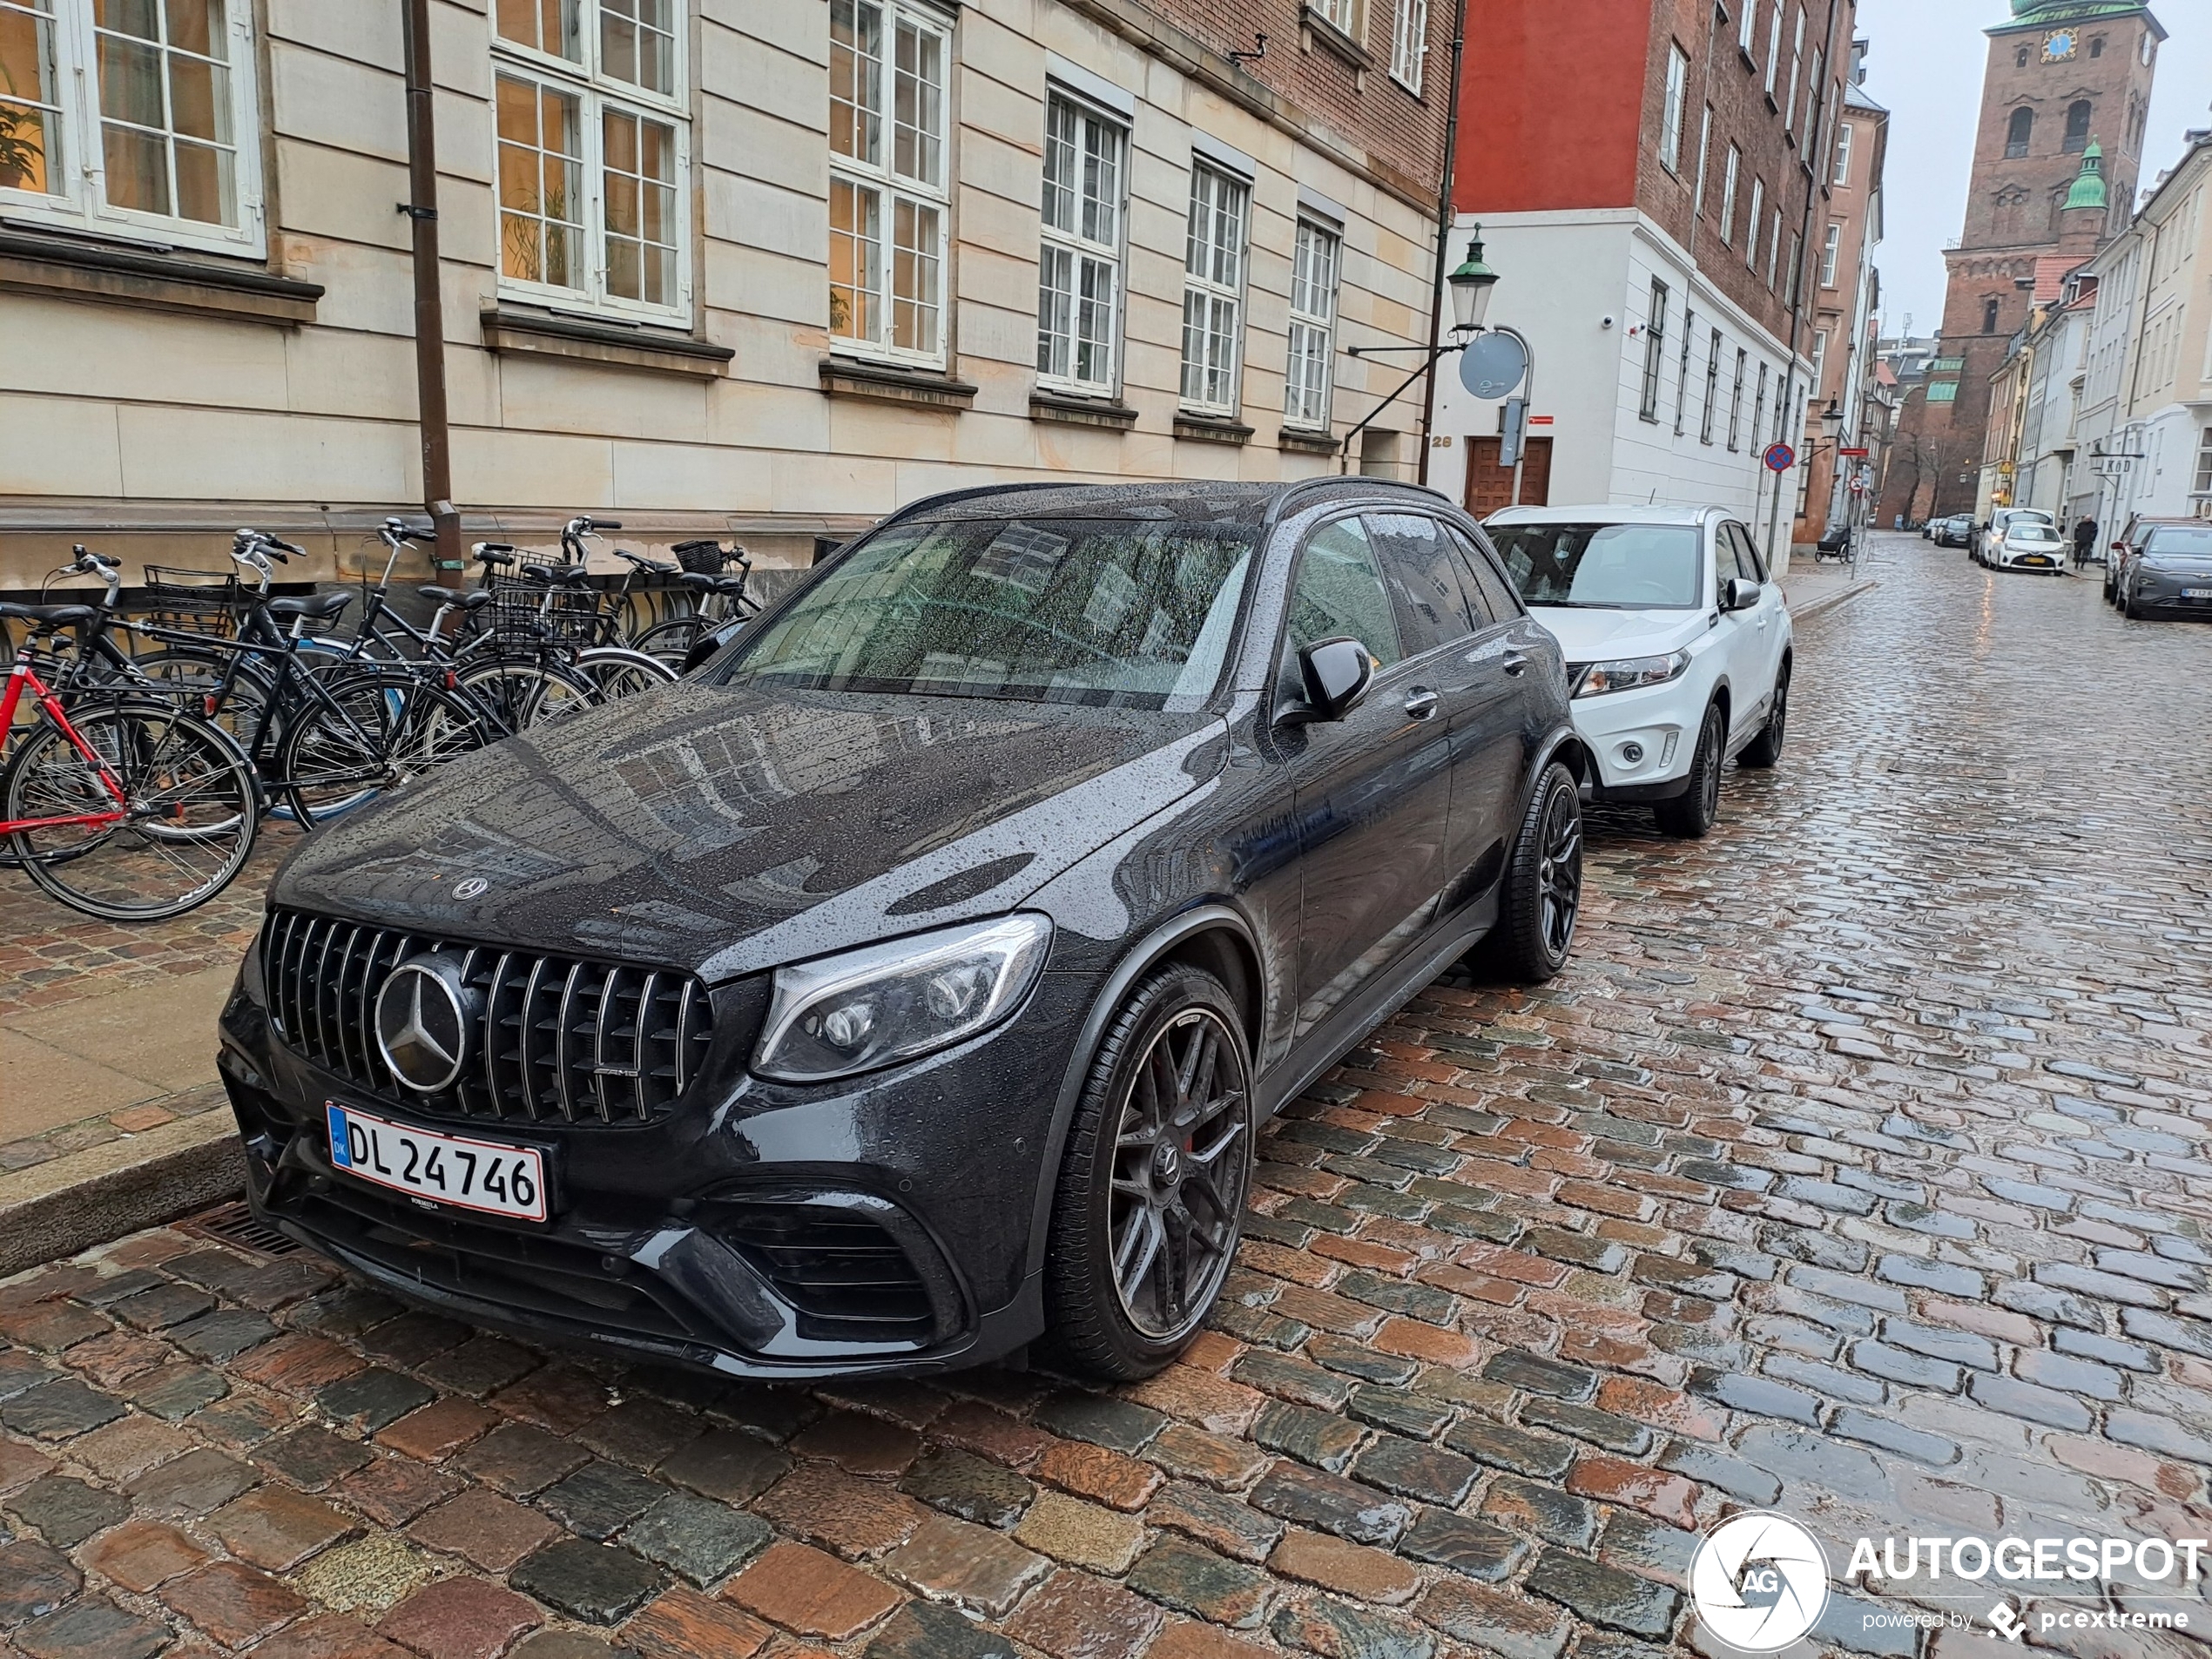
(1678, 647)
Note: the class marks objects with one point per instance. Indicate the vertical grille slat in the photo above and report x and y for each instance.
(580, 1042)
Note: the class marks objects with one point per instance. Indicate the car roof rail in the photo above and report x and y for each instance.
(947, 497)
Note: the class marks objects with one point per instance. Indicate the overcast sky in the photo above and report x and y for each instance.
(1926, 64)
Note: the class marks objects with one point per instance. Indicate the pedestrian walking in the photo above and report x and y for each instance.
(2085, 538)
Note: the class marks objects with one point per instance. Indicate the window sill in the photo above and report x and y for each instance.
(1307, 444)
(71, 270)
(1077, 410)
(895, 383)
(1211, 428)
(630, 345)
(1318, 30)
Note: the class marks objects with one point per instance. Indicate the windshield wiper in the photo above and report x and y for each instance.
(1580, 604)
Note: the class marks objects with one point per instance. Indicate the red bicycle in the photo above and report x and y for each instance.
(120, 806)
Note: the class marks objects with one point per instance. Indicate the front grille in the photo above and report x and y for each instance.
(848, 1277)
(559, 1039)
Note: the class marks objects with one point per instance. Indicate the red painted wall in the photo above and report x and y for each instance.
(1552, 107)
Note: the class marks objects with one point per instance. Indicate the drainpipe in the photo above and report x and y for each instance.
(1443, 233)
(421, 209)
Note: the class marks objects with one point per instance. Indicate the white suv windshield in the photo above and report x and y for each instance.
(1124, 613)
(1602, 567)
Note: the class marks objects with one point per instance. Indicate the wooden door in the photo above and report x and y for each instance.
(1489, 486)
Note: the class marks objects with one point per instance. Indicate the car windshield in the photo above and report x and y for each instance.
(1602, 567)
(2184, 539)
(1117, 612)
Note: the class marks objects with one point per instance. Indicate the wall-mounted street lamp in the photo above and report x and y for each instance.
(1471, 284)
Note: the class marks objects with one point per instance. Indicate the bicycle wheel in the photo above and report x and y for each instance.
(194, 678)
(670, 641)
(616, 672)
(189, 802)
(521, 691)
(380, 730)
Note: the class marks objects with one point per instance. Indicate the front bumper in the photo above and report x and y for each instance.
(2156, 589)
(1643, 740)
(2049, 564)
(762, 1231)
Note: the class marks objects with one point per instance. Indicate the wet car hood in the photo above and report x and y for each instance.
(726, 831)
(1593, 636)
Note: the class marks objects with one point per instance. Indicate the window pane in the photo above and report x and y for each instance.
(139, 17)
(1059, 201)
(1340, 592)
(549, 25)
(1102, 182)
(638, 178)
(130, 81)
(137, 169)
(1055, 308)
(856, 80)
(199, 100)
(206, 184)
(196, 26)
(637, 43)
(1095, 324)
(918, 105)
(30, 123)
(541, 207)
(914, 276)
(856, 259)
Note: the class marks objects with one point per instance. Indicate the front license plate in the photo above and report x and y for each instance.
(2196, 593)
(443, 1168)
(2035, 559)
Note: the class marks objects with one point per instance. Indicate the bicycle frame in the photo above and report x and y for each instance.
(22, 677)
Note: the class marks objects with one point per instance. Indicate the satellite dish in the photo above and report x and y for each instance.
(1494, 365)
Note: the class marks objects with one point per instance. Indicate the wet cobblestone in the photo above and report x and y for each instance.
(1854, 1168)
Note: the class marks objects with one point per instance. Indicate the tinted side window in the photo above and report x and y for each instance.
(1747, 554)
(1490, 591)
(1724, 559)
(1340, 591)
(1417, 567)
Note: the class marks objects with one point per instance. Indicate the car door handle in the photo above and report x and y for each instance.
(1420, 702)
(1515, 662)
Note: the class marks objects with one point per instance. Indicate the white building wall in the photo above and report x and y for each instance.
(1562, 276)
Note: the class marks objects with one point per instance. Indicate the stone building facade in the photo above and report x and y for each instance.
(709, 267)
(1845, 290)
(2060, 74)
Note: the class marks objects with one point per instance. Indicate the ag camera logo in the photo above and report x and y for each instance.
(1759, 1582)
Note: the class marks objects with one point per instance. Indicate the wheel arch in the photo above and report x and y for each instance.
(1213, 936)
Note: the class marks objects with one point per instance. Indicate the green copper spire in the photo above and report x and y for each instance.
(2067, 11)
(2089, 184)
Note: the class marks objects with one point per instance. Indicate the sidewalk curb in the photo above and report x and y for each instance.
(1828, 601)
(88, 1197)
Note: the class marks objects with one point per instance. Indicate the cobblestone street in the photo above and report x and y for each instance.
(1853, 1168)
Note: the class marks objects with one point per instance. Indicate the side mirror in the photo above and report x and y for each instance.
(1743, 593)
(1337, 674)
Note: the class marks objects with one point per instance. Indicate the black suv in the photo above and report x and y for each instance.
(910, 982)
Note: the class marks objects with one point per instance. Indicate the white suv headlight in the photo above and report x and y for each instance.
(884, 1003)
(1627, 673)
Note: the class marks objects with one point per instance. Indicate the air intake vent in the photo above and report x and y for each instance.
(848, 1279)
(557, 1039)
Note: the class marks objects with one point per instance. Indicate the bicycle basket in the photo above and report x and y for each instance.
(701, 557)
(519, 609)
(206, 602)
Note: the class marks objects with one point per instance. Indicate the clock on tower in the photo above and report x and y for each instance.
(2059, 45)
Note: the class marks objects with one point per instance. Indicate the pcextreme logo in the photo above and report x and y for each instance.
(1759, 1582)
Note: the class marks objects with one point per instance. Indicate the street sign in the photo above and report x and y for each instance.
(1855, 454)
(1858, 486)
(1781, 458)
(1513, 436)
(1540, 420)
(1493, 364)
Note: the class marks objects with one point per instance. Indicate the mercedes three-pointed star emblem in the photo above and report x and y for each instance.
(424, 1016)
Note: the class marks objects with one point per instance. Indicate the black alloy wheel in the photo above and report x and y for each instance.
(1542, 895)
(1152, 1184)
(1766, 749)
(1691, 814)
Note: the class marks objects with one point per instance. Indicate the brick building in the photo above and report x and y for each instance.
(1654, 247)
(2060, 73)
(708, 265)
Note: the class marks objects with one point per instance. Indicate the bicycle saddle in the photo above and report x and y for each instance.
(556, 575)
(52, 615)
(699, 583)
(466, 598)
(318, 607)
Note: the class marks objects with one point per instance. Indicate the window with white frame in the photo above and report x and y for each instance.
(1797, 69)
(1830, 253)
(1797, 265)
(1774, 249)
(2203, 485)
(1752, 225)
(890, 63)
(1728, 176)
(1409, 44)
(1079, 267)
(1746, 25)
(1213, 289)
(1736, 401)
(1774, 49)
(134, 118)
(1704, 150)
(1819, 359)
(1812, 106)
(1758, 409)
(1670, 119)
(1681, 379)
(1341, 14)
(1313, 315)
(1712, 389)
(1841, 175)
(1654, 353)
(594, 137)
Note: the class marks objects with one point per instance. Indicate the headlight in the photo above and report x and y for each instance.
(886, 1004)
(1626, 673)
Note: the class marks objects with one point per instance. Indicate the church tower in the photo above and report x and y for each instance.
(2064, 77)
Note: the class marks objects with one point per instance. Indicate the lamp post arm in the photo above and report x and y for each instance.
(1343, 459)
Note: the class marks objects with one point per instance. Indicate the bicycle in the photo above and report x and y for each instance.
(128, 810)
(538, 615)
(720, 599)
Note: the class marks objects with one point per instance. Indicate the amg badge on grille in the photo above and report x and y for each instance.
(424, 1015)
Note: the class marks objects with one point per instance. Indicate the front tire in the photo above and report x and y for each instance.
(1152, 1184)
(1692, 813)
(1542, 894)
(1765, 750)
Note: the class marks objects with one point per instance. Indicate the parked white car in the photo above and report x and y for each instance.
(1993, 538)
(1678, 647)
(2028, 545)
